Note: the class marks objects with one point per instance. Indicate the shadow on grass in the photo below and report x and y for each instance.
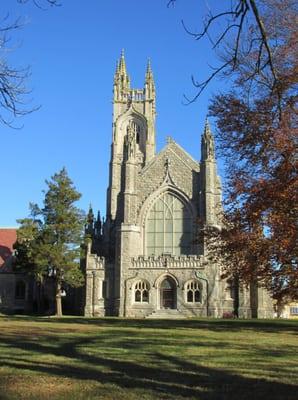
(275, 325)
(163, 374)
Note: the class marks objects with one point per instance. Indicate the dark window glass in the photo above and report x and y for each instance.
(190, 296)
(138, 296)
(197, 296)
(20, 290)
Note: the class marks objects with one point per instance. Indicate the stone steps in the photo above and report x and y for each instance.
(166, 314)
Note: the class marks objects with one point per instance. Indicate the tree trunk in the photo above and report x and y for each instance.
(58, 300)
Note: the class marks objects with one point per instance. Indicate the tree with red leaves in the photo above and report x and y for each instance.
(257, 134)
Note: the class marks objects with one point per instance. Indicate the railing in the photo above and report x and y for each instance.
(168, 261)
(134, 95)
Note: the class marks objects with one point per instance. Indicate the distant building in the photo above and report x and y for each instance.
(145, 259)
(14, 287)
(288, 310)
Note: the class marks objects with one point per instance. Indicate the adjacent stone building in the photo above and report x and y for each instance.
(145, 260)
(14, 286)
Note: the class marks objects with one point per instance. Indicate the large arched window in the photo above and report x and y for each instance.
(141, 292)
(193, 292)
(168, 227)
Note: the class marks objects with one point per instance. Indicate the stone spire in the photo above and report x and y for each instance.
(98, 224)
(90, 215)
(149, 74)
(121, 79)
(123, 73)
(149, 83)
(210, 181)
(89, 222)
(207, 143)
(122, 64)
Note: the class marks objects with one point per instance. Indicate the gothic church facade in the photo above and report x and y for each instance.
(145, 260)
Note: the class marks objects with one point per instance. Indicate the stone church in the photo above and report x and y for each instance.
(145, 259)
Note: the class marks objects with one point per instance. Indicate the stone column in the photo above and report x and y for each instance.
(88, 312)
(244, 310)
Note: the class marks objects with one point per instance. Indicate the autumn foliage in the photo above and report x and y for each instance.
(257, 134)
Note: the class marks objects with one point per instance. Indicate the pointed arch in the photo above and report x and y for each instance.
(121, 124)
(167, 221)
(167, 291)
(162, 277)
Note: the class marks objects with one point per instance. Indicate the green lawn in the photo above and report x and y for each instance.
(77, 358)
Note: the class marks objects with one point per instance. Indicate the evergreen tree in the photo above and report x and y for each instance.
(50, 245)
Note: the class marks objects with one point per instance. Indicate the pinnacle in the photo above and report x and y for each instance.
(90, 215)
(149, 74)
(122, 65)
(207, 129)
(149, 65)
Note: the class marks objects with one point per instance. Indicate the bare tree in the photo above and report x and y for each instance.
(14, 93)
(244, 35)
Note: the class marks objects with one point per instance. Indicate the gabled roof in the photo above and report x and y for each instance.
(173, 147)
(8, 237)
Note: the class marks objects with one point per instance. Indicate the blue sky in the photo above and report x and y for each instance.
(72, 51)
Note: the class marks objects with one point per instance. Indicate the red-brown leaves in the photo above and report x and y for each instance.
(257, 134)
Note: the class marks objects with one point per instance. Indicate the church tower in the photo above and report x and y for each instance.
(133, 138)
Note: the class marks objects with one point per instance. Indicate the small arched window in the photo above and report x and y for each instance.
(20, 290)
(141, 292)
(193, 292)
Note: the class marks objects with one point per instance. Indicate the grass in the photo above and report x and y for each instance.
(77, 358)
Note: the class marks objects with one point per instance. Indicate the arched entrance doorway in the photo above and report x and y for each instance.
(168, 293)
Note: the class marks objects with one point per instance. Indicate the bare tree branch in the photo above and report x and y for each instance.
(236, 18)
(38, 3)
(264, 37)
(14, 93)
(201, 86)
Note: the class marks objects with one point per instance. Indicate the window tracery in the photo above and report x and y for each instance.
(141, 292)
(168, 227)
(193, 292)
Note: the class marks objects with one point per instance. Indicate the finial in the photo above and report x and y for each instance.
(149, 74)
(90, 216)
(207, 129)
(122, 66)
(169, 139)
(207, 143)
(148, 65)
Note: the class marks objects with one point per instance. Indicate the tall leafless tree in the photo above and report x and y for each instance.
(14, 101)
